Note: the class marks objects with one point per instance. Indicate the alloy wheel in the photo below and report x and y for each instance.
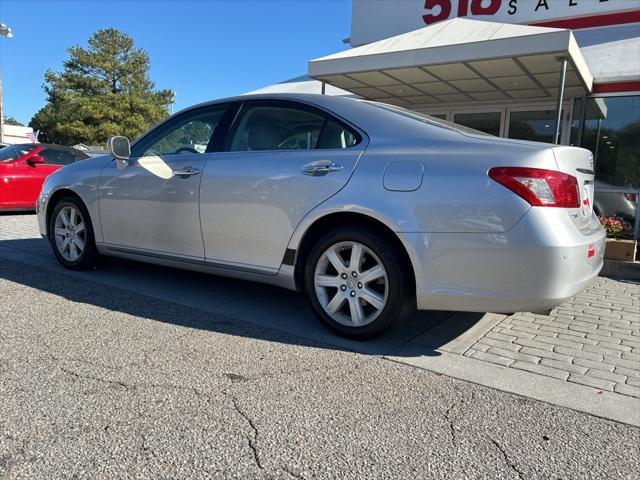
(70, 233)
(351, 284)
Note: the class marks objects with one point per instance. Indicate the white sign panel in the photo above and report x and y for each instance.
(377, 19)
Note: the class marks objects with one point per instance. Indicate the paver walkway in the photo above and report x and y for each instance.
(594, 339)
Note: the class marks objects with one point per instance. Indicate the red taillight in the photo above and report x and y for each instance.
(539, 187)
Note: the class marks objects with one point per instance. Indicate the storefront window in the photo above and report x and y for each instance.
(537, 125)
(611, 130)
(485, 122)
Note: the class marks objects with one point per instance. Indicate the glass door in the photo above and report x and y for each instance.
(487, 122)
(535, 124)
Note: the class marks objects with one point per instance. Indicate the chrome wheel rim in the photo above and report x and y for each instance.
(70, 233)
(351, 284)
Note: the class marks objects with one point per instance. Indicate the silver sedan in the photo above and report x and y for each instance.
(372, 210)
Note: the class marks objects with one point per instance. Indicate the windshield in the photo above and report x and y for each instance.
(13, 152)
(428, 119)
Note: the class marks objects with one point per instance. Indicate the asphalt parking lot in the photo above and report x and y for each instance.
(145, 372)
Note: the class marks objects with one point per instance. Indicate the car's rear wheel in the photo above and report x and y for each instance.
(357, 283)
(71, 235)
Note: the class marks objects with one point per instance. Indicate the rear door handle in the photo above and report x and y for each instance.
(186, 172)
(321, 167)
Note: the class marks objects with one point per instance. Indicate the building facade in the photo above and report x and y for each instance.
(12, 134)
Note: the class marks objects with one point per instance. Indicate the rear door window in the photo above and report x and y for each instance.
(286, 125)
(54, 156)
(337, 135)
(275, 127)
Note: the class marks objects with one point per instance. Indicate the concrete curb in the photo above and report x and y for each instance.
(621, 270)
(596, 402)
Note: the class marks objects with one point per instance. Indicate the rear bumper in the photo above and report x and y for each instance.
(537, 265)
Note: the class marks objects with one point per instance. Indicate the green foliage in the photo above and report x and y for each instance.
(103, 90)
(12, 121)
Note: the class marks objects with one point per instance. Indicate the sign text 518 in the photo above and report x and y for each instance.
(441, 9)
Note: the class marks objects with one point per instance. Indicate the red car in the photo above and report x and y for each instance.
(23, 169)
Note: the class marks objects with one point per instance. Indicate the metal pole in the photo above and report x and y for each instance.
(583, 119)
(560, 96)
(636, 227)
(5, 32)
(323, 87)
(597, 147)
(1, 113)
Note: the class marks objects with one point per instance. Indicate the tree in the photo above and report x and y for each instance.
(103, 90)
(12, 121)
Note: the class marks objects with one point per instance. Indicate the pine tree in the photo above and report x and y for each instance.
(103, 90)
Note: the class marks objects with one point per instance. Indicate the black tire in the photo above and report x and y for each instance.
(400, 299)
(89, 257)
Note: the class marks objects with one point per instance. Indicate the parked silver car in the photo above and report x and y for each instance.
(372, 210)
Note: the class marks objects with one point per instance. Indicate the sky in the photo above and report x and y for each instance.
(201, 49)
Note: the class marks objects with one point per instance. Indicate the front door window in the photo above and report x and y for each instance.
(191, 132)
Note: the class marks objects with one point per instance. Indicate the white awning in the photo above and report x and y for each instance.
(302, 84)
(460, 60)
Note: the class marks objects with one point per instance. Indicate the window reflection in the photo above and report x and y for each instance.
(536, 125)
(487, 122)
(611, 130)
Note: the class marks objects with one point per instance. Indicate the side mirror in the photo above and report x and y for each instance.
(34, 159)
(119, 147)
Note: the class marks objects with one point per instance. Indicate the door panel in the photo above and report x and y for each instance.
(252, 201)
(153, 203)
(27, 182)
(144, 206)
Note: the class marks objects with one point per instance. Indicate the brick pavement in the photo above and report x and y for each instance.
(594, 339)
(18, 226)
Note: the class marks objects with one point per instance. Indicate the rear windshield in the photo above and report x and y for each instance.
(428, 119)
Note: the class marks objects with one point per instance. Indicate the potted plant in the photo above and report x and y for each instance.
(620, 243)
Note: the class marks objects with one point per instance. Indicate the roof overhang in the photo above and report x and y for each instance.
(460, 60)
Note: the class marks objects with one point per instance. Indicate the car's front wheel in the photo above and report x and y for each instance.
(357, 283)
(71, 235)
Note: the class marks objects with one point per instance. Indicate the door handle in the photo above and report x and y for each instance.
(186, 172)
(321, 167)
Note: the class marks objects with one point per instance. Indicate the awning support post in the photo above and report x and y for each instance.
(324, 85)
(583, 118)
(559, 99)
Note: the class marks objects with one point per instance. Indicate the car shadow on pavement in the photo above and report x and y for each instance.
(12, 214)
(208, 302)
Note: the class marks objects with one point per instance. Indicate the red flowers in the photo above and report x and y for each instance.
(616, 227)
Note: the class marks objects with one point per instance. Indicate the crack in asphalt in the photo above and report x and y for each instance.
(506, 459)
(145, 446)
(252, 441)
(450, 420)
(452, 428)
(97, 379)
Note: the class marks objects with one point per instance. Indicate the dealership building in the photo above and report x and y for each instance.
(558, 71)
